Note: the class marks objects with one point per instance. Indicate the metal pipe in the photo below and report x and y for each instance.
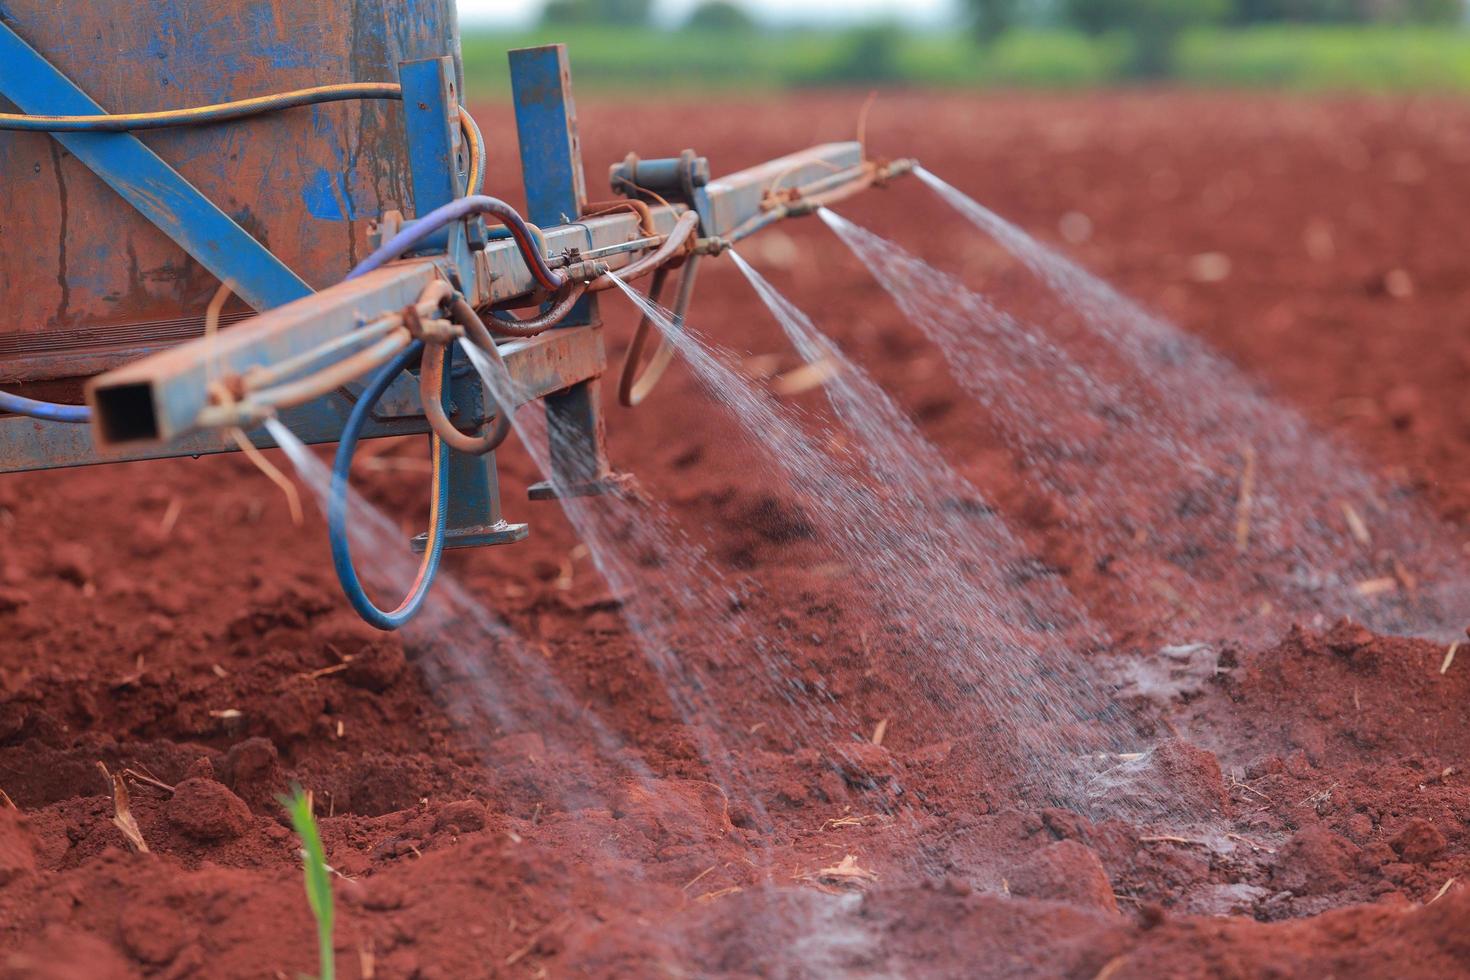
(636, 245)
(510, 326)
(632, 387)
(462, 313)
(417, 231)
(822, 192)
(262, 376)
(821, 197)
(333, 376)
(412, 326)
(219, 112)
(674, 243)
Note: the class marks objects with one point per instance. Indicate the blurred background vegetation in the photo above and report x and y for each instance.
(1374, 45)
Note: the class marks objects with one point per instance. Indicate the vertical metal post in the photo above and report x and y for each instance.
(556, 190)
(431, 118)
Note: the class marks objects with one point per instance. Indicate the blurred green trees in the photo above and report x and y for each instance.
(1153, 27)
(992, 18)
(627, 13)
(1345, 11)
(720, 16)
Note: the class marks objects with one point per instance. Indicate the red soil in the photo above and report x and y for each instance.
(1304, 811)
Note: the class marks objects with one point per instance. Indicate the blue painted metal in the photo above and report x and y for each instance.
(148, 183)
(546, 121)
(556, 190)
(551, 149)
(431, 112)
(433, 139)
(89, 282)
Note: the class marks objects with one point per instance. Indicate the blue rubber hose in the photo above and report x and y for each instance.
(337, 506)
(47, 411)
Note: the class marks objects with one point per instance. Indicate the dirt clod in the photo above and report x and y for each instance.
(1174, 776)
(13, 598)
(17, 847)
(72, 562)
(252, 770)
(1419, 843)
(462, 816)
(153, 934)
(1315, 862)
(1064, 871)
(208, 811)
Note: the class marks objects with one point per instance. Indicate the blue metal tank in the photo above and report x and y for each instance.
(86, 280)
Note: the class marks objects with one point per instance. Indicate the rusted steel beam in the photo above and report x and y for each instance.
(726, 203)
(160, 397)
(540, 366)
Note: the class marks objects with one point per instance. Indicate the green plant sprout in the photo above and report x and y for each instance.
(318, 876)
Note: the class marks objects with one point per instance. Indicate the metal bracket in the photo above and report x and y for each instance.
(433, 140)
(556, 190)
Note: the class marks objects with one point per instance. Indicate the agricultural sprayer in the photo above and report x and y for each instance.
(310, 131)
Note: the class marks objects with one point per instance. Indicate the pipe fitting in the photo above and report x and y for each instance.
(587, 270)
(713, 245)
(242, 415)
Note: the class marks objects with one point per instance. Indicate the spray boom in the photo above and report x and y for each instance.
(373, 355)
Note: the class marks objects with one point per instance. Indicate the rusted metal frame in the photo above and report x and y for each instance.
(539, 366)
(176, 378)
(148, 183)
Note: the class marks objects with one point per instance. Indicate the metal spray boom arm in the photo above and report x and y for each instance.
(168, 395)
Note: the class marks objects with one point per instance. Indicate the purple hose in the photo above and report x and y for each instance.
(416, 231)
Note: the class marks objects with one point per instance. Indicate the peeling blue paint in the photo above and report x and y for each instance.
(266, 48)
(326, 197)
